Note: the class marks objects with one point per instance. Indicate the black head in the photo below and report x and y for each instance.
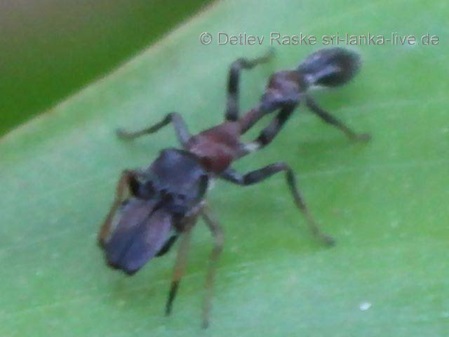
(330, 67)
(163, 197)
(176, 178)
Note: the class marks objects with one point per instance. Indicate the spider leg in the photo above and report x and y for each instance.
(124, 184)
(330, 119)
(218, 236)
(267, 135)
(182, 133)
(263, 173)
(179, 268)
(232, 105)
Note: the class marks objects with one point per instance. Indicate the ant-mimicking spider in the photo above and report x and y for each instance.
(156, 205)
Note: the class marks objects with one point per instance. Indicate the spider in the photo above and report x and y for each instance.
(157, 205)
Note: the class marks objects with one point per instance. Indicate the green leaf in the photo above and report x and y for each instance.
(385, 202)
(50, 48)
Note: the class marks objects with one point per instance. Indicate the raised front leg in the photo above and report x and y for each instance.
(232, 106)
(260, 175)
(182, 133)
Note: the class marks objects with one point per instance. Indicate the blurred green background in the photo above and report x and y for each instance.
(385, 202)
(50, 49)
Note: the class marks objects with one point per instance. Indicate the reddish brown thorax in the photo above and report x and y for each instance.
(217, 147)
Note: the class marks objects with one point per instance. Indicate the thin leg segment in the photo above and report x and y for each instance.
(270, 132)
(218, 236)
(260, 175)
(328, 118)
(179, 269)
(182, 133)
(123, 187)
(232, 109)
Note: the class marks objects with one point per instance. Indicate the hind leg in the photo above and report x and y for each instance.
(330, 119)
(232, 106)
